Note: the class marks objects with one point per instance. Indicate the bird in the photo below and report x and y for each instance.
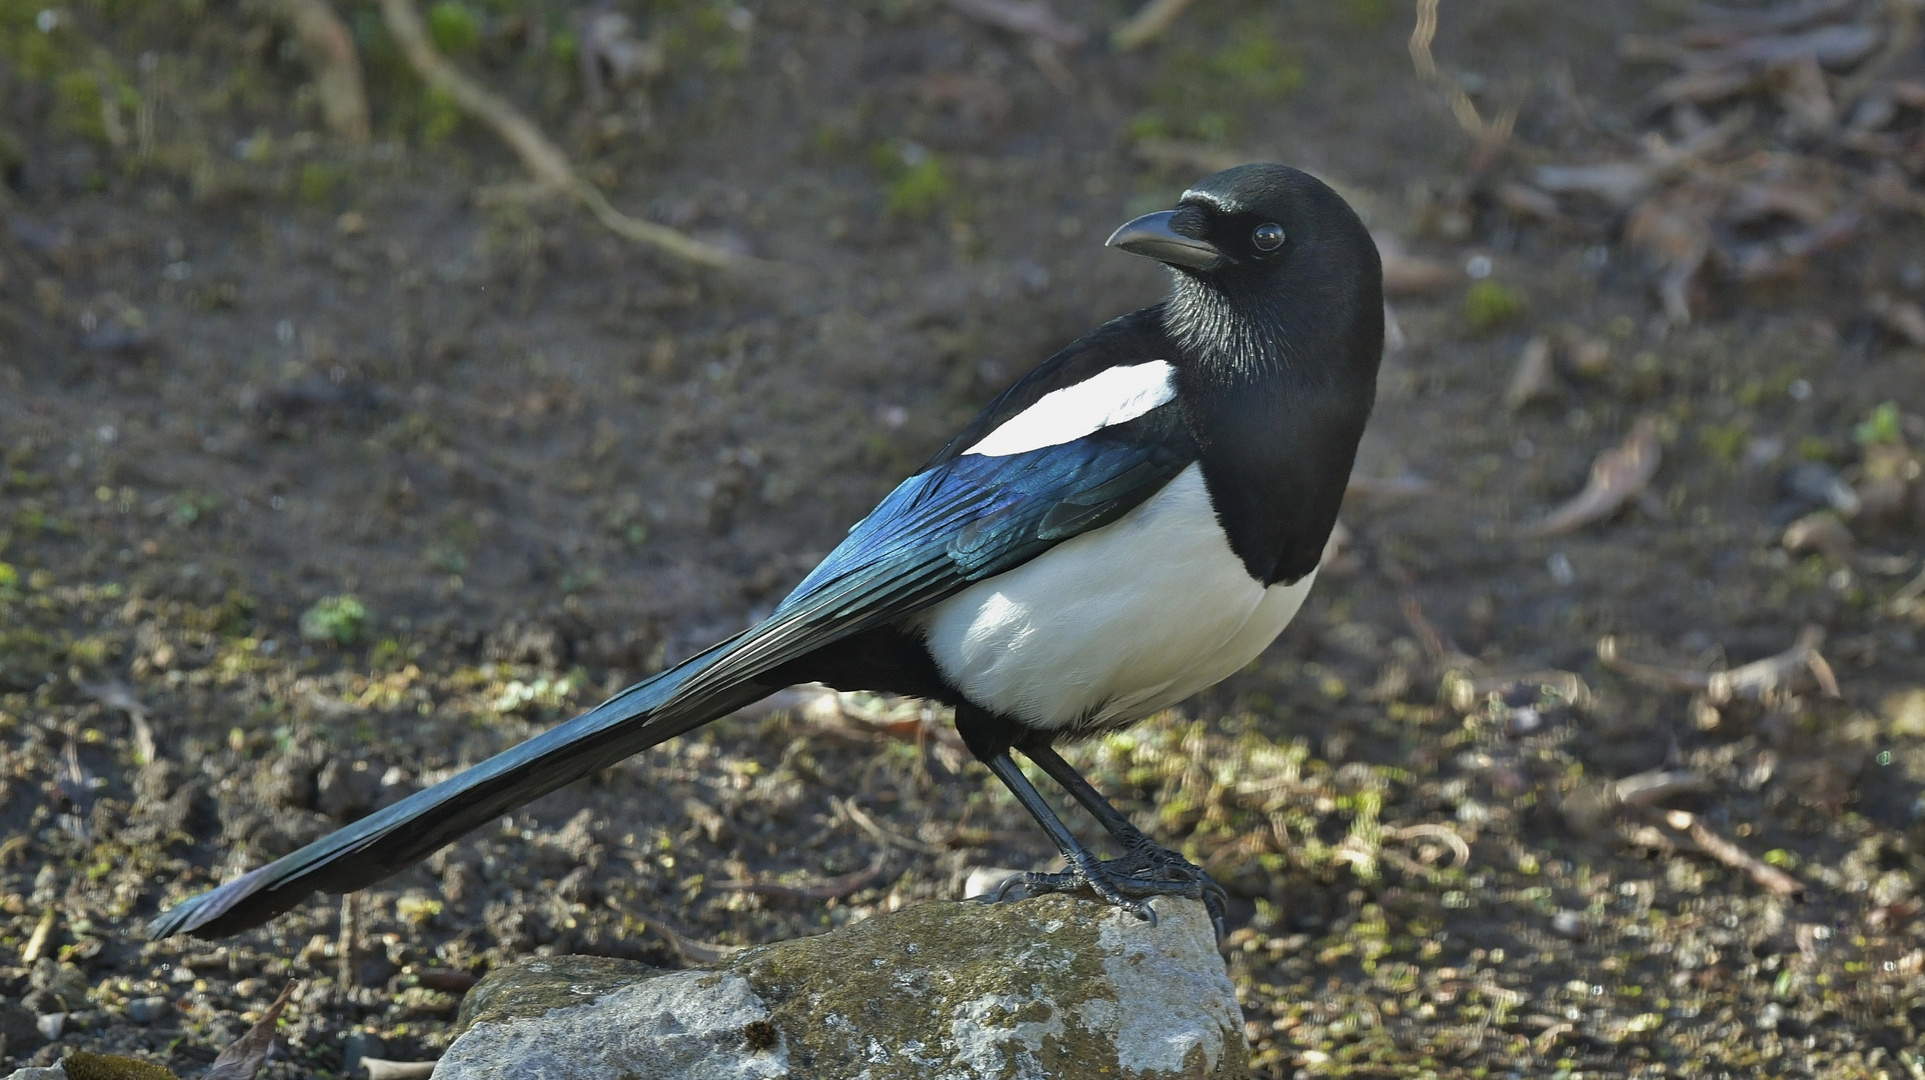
(1134, 520)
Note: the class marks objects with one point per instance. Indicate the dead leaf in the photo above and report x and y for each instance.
(1533, 380)
(1819, 532)
(248, 1053)
(1617, 476)
(1901, 317)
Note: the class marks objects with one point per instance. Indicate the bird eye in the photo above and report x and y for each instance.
(1268, 237)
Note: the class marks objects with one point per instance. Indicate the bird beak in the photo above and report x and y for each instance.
(1151, 236)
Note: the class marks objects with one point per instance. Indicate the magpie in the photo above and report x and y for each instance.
(1129, 523)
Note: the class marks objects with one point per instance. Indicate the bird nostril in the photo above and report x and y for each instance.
(1191, 222)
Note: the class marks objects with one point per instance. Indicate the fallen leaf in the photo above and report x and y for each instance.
(1533, 380)
(1617, 476)
(1819, 532)
(244, 1058)
(1901, 317)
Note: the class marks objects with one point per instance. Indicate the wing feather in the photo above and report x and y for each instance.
(967, 519)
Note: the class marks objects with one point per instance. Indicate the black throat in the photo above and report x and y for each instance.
(1278, 378)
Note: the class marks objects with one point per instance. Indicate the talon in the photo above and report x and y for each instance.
(1001, 894)
(1145, 912)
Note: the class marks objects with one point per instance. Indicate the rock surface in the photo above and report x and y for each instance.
(1054, 987)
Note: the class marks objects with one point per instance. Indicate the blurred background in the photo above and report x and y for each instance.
(380, 383)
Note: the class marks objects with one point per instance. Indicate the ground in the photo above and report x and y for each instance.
(333, 467)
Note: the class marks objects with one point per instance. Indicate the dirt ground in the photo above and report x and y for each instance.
(331, 468)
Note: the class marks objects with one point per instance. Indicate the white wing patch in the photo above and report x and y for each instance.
(1111, 397)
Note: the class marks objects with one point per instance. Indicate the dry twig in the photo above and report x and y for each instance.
(886, 836)
(1765, 875)
(1442, 651)
(541, 157)
(831, 889)
(1488, 134)
(37, 941)
(1761, 680)
(1459, 849)
(690, 949)
(1031, 18)
(1567, 687)
(383, 1069)
(330, 50)
(1618, 475)
(1641, 790)
(1150, 22)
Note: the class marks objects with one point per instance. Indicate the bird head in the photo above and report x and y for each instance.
(1267, 253)
(1250, 221)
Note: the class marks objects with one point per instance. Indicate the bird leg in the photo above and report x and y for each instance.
(1144, 860)
(1086, 870)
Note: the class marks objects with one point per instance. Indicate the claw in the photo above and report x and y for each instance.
(1144, 873)
(1001, 895)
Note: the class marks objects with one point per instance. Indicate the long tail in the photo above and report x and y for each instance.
(644, 715)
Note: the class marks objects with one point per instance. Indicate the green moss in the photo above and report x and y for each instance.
(319, 182)
(439, 117)
(81, 1065)
(455, 28)
(918, 181)
(1723, 441)
(536, 987)
(1488, 305)
(1881, 426)
(77, 104)
(338, 619)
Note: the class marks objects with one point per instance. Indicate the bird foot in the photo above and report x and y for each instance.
(1146, 871)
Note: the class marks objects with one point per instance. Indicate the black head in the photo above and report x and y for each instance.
(1254, 222)
(1271, 247)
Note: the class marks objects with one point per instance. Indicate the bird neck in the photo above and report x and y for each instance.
(1232, 336)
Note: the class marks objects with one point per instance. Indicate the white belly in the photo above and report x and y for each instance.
(1116, 624)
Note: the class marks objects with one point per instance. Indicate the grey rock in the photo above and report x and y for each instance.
(1056, 987)
(148, 1009)
(51, 1025)
(51, 1072)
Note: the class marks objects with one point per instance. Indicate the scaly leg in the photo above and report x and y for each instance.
(1144, 859)
(990, 737)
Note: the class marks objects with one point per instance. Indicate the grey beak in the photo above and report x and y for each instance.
(1152, 237)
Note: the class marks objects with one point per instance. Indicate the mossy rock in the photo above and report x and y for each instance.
(1056, 986)
(81, 1065)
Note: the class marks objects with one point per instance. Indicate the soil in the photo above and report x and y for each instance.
(331, 469)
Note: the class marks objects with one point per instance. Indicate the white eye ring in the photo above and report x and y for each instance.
(1268, 237)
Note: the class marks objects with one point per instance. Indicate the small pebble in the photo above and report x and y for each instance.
(1570, 924)
(1525, 719)
(51, 1025)
(148, 1009)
